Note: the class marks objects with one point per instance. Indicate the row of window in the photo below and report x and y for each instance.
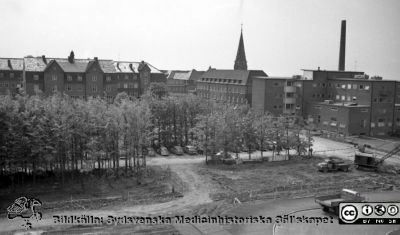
(365, 110)
(222, 80)
(343, 86)
(11, 75)
(68, 87)
(219, 97)
(126, 77)
(93, 78)
(382, 123)
(334, 124)
(79, 78)
(128, 85)
(234, 89)
(344, 98)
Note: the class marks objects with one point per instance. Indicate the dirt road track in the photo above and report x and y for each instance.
(197, 190)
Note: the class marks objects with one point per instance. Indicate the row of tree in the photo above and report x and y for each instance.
(59, 134)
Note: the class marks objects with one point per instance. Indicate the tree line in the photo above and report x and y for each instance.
(61, 134)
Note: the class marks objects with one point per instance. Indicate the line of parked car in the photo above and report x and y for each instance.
(177, 150)
(193, 150)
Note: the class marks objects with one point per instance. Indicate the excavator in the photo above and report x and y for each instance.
(368, 160)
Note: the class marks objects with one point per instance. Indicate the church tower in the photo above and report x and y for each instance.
(240, 62)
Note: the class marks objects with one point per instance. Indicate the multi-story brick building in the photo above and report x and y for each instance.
(277, 95)
(79, 78)
(11, 75)
(340, 103)
(232, 86)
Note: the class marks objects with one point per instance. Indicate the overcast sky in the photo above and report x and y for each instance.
(281, 36)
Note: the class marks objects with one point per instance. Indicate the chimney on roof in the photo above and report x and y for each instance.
(96, 59)
(44, 59)
(131, 67)
(71, 57)
(342, 52)
(9, 64)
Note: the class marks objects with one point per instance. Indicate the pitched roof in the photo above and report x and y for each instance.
(16, 64)
(35, 64)
(124, 67)
(179, 75)
(196, 75)
(79, 65)
(107, 66)
(152, 68)
(184, 74)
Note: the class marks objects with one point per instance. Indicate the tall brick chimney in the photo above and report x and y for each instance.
(342, 52)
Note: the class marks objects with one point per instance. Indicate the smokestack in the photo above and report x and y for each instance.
(342, 52)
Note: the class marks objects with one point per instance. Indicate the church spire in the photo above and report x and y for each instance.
(240, 62)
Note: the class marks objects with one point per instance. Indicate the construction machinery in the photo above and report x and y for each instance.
(369, 160)
(333, 164)
(330, 203)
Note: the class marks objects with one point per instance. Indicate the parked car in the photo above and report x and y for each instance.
(163, 151)
(190, 149)
(226, 157)
(223, 155)
(177, 150)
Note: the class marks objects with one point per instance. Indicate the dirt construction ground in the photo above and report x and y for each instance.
(215, 189)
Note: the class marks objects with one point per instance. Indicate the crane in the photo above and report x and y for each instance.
(368, 160)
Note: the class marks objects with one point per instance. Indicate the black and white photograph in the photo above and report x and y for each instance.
(200, 117)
